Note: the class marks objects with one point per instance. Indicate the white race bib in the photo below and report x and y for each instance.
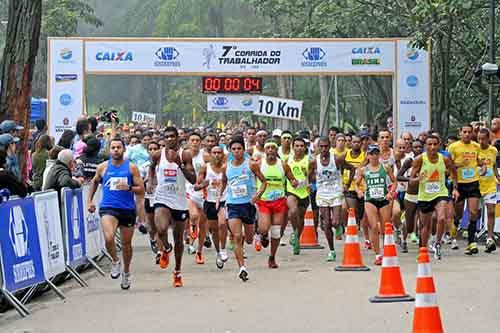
(239, 191)
(212, 194)
(376, 192)
(432, 187)
(467, 173)
(114, 181)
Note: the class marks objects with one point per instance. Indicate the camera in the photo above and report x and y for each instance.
(107, 116)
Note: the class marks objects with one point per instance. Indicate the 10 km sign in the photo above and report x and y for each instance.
(276, 107)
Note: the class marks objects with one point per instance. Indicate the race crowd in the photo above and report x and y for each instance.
(245, 185)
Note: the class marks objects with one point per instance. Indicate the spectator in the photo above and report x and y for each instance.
(41, 129)
(10, 127)
(86, 164)
(9, 143)
(40, 157)
(50, 163)
(93, 124)
(82, 130)
(9, 181)
(66, 140)
(60, 174)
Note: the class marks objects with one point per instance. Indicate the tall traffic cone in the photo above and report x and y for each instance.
(352, 251)
(391, 282)
(426, 317)
(308, 239)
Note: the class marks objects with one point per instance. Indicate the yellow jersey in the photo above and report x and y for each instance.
(488, 182)
(465, 156)
(355, 162)
(337, 153)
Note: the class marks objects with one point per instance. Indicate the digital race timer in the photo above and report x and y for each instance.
(231, 85)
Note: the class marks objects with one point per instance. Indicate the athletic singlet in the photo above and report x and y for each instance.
(466, 156)
(403, 186)
(112, 197)
(284, 157)
(257, 154)
(171, 189)
(300, 170)
(328, 179)
(433, 184)
(240, 183)
(212, 192)
(337, 153)
(390, 161)
(376, 184)
(488, 182)
(198, 162)
(355, 162)
(275, 178)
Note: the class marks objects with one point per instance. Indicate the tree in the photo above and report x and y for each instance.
(21, 47)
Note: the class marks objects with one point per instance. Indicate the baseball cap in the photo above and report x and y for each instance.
(6, 139)
(372, 149)
(277, 132)
(364, 134)
(8, 125)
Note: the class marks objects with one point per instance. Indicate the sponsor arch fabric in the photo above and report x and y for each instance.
(71, 59)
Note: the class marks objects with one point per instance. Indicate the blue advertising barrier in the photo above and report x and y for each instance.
(21, 258)
(74, 227)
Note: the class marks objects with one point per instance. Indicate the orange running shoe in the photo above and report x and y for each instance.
(177, 280)
(194, 231)
(258, 245)
(165, 258)
(199, 258)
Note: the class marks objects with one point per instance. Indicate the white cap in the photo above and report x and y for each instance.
(277, 132)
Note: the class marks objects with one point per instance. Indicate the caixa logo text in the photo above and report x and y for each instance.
(114, 56)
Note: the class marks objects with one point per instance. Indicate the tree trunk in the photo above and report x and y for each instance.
(21, 47)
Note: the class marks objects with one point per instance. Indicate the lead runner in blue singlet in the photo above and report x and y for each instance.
(120, 181)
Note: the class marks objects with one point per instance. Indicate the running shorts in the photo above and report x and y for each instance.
(244, 212)
(427, 207)
(211, 212)
(177, 215)
(468, 190)
(272, 207)
(125, 217)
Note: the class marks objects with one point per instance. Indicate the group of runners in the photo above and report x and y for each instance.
(230, 188)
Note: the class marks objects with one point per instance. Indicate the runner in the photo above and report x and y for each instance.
(210, 180)
(326, 171)
(120, 181)
(251, 138)
(171, 168)
(411, 195)
(241, 196)
(286, 144)
(464, 154)
(374, 178)
(198, 220)
(488, 184)
(298, 198)
(429, 169)
(258, 152)
(153, 148)
(400, 157)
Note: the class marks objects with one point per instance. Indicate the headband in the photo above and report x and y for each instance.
(261, 132)
(269, 144)
(286, 135)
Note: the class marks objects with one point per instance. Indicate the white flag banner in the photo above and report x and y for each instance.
(142, 117)
(277, 107)
(232, 102)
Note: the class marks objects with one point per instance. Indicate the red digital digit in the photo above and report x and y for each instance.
(236, 84)
(217, 84)
(227, 84)
(207, 84)
(256, 84)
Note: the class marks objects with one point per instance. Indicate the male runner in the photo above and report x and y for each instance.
(411, 195)
(326, 171)
(272, 203)
(375, 178)
(298, 198)
(153, 147)
(488, 184)
(241, 196)
(400, 157)
(286, 146)
(258, 152)
(120, 181)
(465, 156)
(429, 169)
(251, 138)
(210, 181)
(171, 168)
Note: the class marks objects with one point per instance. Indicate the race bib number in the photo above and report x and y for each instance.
(376, 192)
(170, 189)
(274, 195)
(212, 194)
(467, 173)
(239, 191)
(114, 181)
(432, 187)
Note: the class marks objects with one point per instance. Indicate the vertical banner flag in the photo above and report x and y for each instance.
(50, 232)
(413, 89)
(74, 225)
(93, 231)
(22, 265)
(65, 85)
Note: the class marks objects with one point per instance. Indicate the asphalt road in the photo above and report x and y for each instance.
(304, 295)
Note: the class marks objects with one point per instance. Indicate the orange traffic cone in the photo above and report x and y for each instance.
(352, 251)
(308, 239)
(426, 318)
(391, 282)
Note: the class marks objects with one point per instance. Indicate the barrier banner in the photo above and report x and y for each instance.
(228, 102)
(74, 226)
(277, 107)
(50, 232)
(22, 264)
(93, 230)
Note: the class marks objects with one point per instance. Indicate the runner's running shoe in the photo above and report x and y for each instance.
(142, 228)
(338, 232)
(219, 262)
(471, 249)
(199, 258)
(296, 246)
(223, 255)
(243, 274)
(332, 256)
(454, 244)
(368, 244)
(490, 246)
(437, 252)
(413, 237)
(404, 247)
(378, 260)
(292, 238)
(177, 280)
(265, 241)
(116, 269)
(271, 263)
(258, 244)
(126, 281)
(165, 258)
(208, 242)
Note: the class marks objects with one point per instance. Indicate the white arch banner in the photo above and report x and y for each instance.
(71, 59)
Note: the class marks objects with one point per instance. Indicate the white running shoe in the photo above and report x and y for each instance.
(126, 281)
(454, 244)
(218, 262)
(243, 274)
(190, 249)
(116, 269)
(223, 255)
